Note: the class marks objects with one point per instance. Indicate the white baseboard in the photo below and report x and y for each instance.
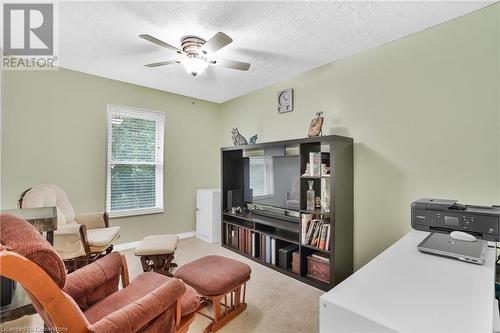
(126, 246)
(188, 234)
(133, 245)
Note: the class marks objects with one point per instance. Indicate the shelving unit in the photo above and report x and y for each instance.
(336, 153)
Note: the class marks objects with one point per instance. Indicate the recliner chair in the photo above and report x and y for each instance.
(88, 300)
(79, 239)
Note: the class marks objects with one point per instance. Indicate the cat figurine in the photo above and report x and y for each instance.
(238, 139)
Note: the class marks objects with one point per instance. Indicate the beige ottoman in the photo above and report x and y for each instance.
(157, 252)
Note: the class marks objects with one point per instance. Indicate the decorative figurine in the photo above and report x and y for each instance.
(315, 164)
(253, 139)
(236, 210)
(310, 196)
(325, 171)
(238, 139)
(315, 129)
(307, 172)
(317, 202)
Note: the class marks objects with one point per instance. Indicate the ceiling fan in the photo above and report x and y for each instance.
(197, 53)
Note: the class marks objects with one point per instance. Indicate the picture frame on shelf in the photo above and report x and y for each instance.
(315, 128)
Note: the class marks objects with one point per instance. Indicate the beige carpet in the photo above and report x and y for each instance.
(276, 303)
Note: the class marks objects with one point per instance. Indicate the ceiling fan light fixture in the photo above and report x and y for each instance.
(194, 51)
(194, 66)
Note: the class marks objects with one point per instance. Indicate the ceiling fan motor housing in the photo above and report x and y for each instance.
(191, 45)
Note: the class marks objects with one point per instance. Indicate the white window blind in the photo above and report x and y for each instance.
(134, 161)
(261, 176)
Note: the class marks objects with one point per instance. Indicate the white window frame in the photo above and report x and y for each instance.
(159, 118)
(268, 176)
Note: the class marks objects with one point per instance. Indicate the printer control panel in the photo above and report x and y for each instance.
(488, 226)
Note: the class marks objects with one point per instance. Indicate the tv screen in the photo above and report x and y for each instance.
(272, 181)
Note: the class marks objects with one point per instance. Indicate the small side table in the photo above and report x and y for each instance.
(45, 221)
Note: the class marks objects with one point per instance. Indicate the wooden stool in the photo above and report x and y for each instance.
(157, 252)
(222, 282)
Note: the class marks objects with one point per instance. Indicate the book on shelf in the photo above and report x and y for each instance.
(327, 245)
(253, 244)
(240, 239)
(316, 232)
(309, 229)
(234, 237)
(249, 242)
(243, 240)
(322, 234)
(268, 249)
(306, 220)
(231, 236)
(227, 234)
(322, 238)
(273, 251)
(316, 224)
(262, 247)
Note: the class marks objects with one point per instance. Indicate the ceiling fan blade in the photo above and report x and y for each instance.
(158, 42)
(217, 42)
(163, 63)
(242, 66)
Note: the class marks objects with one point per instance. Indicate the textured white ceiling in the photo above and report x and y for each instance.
(279, 39)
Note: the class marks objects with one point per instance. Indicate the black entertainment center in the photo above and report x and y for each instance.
(269, 217)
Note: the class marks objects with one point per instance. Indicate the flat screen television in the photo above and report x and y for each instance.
(272, 181)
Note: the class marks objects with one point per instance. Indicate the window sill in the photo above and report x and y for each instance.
(135, 212)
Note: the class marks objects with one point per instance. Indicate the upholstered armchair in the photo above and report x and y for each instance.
(89, 300)
(79, 239)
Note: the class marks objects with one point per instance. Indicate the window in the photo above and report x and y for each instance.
(134, 161)
(261, 176)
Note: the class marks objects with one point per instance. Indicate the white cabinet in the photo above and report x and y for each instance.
(208, 215)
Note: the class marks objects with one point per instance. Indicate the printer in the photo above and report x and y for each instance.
(439, 215)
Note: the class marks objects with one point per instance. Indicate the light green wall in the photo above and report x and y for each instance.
(497, 7)
(424, 114)
(54, 131)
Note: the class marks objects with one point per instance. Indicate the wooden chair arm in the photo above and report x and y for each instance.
(124, 274)
(84, 238)
(178, 313)
(184, 322)
(105, 216)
